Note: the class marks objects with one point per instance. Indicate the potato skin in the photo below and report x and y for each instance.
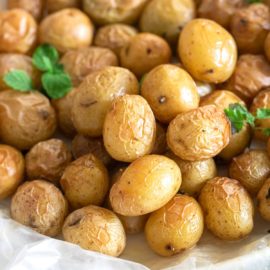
(41, 206)
(169, 90)
(267, 47)
(25, 118)
(147, 184)
(228, 209)
(160, 145)
(95, 96)
(175, 227)
(85, 181)
(199, 134)
(251, 169)
(133, 225)
(11, 169)
(18, 31)
(56, 5)
(204, 89)
(263, 198)
(97, 229)
(66, 29)
(207, 51)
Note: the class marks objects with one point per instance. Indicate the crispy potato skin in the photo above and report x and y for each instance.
(56, 5)
(97, 229)
(146, 185)
(228, 209)
(263, 198)
(199, 134)
(175, 227)
(41, 206)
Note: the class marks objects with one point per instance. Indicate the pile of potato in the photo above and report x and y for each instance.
(147, 130)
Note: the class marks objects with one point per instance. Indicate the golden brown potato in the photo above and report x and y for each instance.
(95, 96)
(166, 18)
(207, 51)
(228, 209)
(204, 89)
(133, 225)
(47, 160)
(268, 147)
(267, 47)
(263, 198)
(25, 118)
(97, 229)
(194, 173)
(56, 5)
(82, 145)
(79, 63)
(262, 100)
(18, 31)
(129, 129)
(169, 90)
(249, 26)
(251, 169)
(119, 11)
(160, 144)
(144, 52)
(85, 181)
(66, 29)
(11, 170)
(115, 36)
(41, 206)
(175, 227)
(252, 74)
(199, 134)
(147, 184)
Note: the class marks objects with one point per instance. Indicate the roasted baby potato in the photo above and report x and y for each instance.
(160, 144)
(263, 198)
(97, 229)
(175, 227)
(39, 205)
(56, 5)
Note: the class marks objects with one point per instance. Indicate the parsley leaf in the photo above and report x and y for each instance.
(18, 80)
(263, 113)
(266, 131)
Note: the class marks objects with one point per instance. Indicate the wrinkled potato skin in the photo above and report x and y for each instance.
(251, 169)
(169, 90)
(47, 160)
(249, 26)
(80, 63)
(144, 52)
(146, 185)
(41, 206)
(10, 61)
(204, 89)
(263, 198)
(175, 227)
(11, 170)
(56, 5)
(67, 29)
(160, 145)
(129, 129)
(97, 229)
(18, 31)
(95, 96)
(199, 134)
(167, 17)
(207, 51)
(114, 36)
(228, 209)
(85, 181)
(25, 118)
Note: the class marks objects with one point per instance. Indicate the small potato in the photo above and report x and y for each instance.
(82, 145)
(194, 173)
(204, 89)
(85, 181)
(147, 184)
(228, 209)
(95, 96)
(18, 31)
(249, 26)
(47, 160)
(166, 18)
(114, 36)
(175, 227)
(129, 129)
(66, 29)
(251, 169)
(81, 62)
(169, 90)
(160, 144)
(25, 118)
(199, 134)
(207, 51)
(144, 52)
(97, 229)
(263, 198)
(41, 206)
(56, 5)
(11, 170)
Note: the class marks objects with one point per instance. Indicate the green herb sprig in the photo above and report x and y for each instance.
(55, 81)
